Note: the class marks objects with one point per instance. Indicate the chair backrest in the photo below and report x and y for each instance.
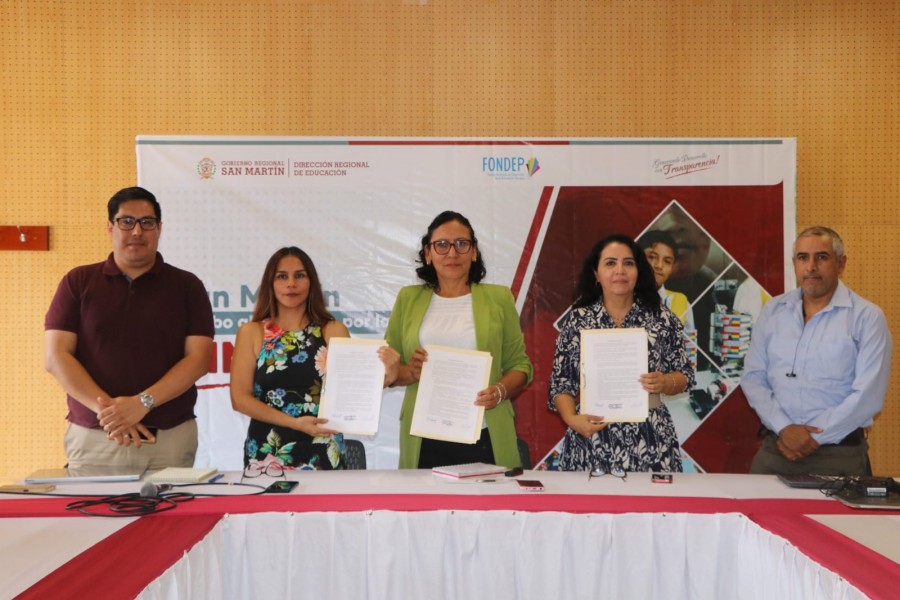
(524, 454)
(355, 457)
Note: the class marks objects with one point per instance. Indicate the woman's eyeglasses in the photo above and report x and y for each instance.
(443, 246)
(256, 469)
(615, 470)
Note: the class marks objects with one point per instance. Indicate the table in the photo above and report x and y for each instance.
(405, 533)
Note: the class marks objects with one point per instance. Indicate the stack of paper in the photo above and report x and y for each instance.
(468, 470)
(182, 475)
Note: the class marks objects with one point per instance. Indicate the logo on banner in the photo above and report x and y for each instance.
(509, 167)
(685, 164)
(206, 168)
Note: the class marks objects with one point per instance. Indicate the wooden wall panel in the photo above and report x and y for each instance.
(80, 79)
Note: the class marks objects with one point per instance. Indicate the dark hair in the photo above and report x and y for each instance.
(427, 273)
(127, 195)
(267, 306)
(651, 238)
(588, 291)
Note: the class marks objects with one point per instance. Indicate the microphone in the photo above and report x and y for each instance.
(152, 490)
(792, 372)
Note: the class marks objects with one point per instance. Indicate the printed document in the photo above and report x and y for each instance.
(445, 405)
(612, 360)
(354, 381)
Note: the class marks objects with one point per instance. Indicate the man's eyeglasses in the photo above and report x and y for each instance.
(443, 246)
(615, 470)
(128, 223)
(254, 469)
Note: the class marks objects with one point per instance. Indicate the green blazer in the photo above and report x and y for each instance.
(497, 330)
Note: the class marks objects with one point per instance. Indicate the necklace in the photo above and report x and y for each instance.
(618, 321)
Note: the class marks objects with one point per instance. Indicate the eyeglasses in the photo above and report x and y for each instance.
(255, 469)
(615, 470)
(443, 246)
(128, 223)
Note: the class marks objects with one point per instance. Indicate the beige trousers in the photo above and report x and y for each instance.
(174, 447)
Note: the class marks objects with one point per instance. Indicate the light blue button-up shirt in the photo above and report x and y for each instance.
(831, 372)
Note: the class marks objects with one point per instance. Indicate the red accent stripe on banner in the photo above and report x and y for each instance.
(531, 240)
(126, 562)
(209, 386)
(458, 143)
(874, 574)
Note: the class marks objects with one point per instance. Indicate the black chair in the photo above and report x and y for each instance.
(355, 457)
(524, 454)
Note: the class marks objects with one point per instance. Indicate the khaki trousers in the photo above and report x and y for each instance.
(174, 447)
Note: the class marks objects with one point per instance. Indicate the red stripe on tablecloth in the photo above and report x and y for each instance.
(872, 573)
(55, 507)
(126, 562)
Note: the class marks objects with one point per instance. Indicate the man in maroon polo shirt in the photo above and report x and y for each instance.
(127, 339)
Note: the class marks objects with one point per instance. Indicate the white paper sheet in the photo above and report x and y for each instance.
(612, 360)
(445, 405)
(354, 382)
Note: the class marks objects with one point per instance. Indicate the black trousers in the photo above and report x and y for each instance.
(438, 453)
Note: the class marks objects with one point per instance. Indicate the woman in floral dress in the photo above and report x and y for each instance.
(617, 288)
(279, 364)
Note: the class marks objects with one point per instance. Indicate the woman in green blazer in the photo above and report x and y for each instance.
(452, 308)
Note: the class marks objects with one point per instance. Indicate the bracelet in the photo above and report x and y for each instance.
(674, 383)
(501, 389)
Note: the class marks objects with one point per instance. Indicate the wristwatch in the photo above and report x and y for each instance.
(147, 400)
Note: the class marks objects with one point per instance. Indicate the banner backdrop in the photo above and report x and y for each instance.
(359, 207)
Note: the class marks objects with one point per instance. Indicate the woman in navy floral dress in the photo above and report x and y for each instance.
(279, 363)
(616, 288)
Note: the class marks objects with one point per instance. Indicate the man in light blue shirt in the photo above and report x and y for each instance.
(818, 366)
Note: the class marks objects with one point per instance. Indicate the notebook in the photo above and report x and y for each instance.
(84, 475)
(468, 470)
(182, 475)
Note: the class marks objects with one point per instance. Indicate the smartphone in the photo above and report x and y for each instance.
(152, 431)
(282, 487)
(514, 472)
(661, 478)
(530, 485)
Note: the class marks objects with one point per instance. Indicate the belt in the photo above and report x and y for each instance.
(854, 438)
(655, 402)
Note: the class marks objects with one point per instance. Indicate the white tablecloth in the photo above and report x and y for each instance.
(438, 555)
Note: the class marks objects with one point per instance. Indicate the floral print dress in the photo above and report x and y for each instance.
(648, 446)
(288, 377)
